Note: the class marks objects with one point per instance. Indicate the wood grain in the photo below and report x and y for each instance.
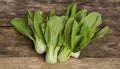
(11, 8)
(38, 63)
(17, 52)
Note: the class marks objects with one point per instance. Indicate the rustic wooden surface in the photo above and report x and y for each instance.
(38, 63)
(16, 51)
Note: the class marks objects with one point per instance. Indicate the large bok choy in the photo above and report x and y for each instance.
(80, 32)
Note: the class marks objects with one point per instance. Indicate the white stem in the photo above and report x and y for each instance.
(40, 46)
(51, 54)
(75, 55)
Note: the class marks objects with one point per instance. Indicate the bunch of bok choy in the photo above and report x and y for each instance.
(60, 37)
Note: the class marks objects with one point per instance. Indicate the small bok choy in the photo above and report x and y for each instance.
(32, 28)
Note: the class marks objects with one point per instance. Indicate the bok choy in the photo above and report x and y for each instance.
(60, 37)
(80, 33)
(32, 29)
(53, 31)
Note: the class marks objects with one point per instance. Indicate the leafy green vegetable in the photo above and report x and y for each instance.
(61, 36)
(71, 11)
(32, 29)
(52, 13)
(40, 45)
(68, 12)
(30, 17)
(21, 25)
(81, 14)
(83, 31)
(101, 32)
(52, 33)
(65, 52)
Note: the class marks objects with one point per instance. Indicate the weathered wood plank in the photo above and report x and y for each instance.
(13, 44)
(17, 8)
(39, 63)
(17, 52)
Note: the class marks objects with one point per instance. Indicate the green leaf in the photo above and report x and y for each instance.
(75, 30)
(91, 19)
(53, 29)
(38, 20)
(73, 10)
(85, 30)
(91, 32)
(60, 41)
(68, 31)
(81, 14)
(30, 14)
(81, 22)
(82, 39)
(98, 21)
(101, 33)
(78, 39)
(30, 19)
(52, 35)
(80, 17)
(43, 27)
(68, 12)
(21, 25)
(85, 41)
(64, 19)
(52, 13)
